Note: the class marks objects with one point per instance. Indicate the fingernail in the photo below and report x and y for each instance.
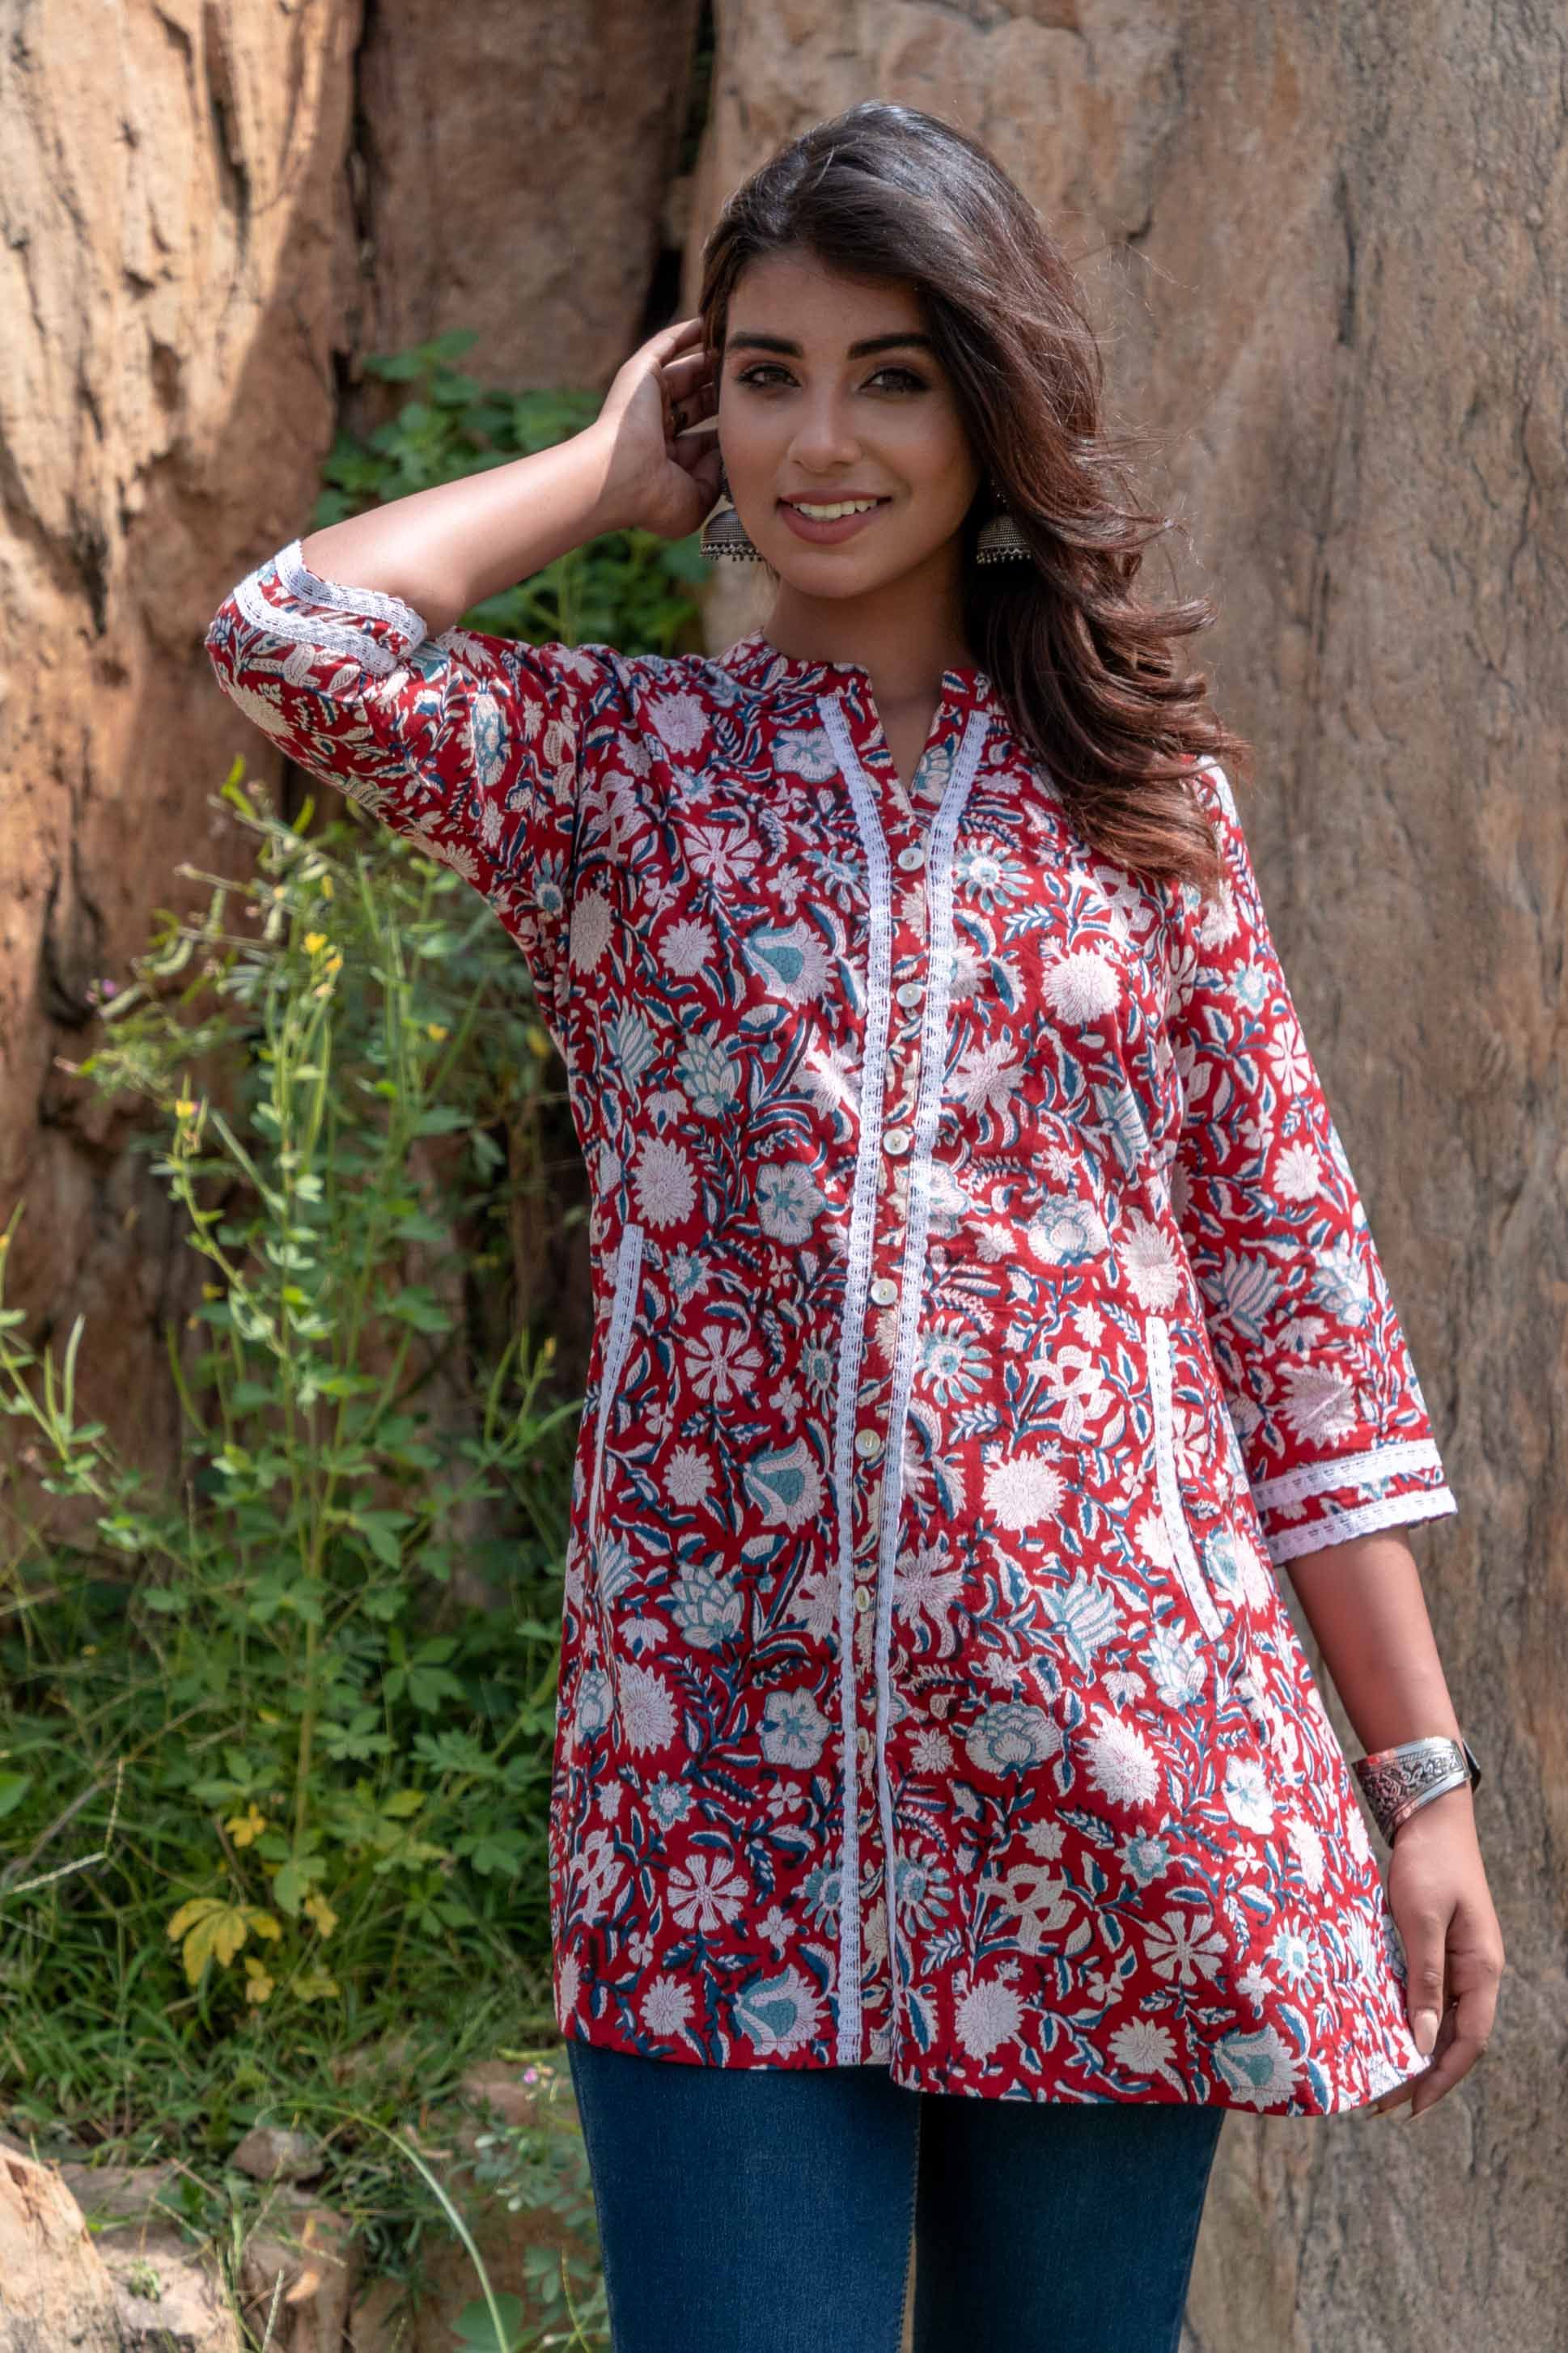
(1426, 2031)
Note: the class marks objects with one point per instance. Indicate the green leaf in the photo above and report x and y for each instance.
(294, 1882)
(419, 1228)
(382, 1531)
(417, 1305)
(488, 1853)
(477, 2331)
(401, 1803)
(14, 1788)
(429, 1686)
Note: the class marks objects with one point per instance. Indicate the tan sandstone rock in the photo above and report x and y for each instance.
(145, 2293)
(212, 213)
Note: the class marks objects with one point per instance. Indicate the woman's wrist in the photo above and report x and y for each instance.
(1440, 1814)
(1414, 1776)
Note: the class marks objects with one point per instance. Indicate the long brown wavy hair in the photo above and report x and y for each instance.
(1085, 663)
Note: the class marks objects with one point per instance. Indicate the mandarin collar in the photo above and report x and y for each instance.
(757, 663)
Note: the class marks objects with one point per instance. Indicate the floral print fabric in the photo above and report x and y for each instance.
(983, 1311)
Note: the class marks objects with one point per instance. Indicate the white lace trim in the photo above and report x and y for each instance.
(305, 630)
(851, 1345)
(1157, 1341)
(933, 1043)
(369, 603)
(1363, 1470)
(1339, 1527)
(912, 1272)
(628, 1261)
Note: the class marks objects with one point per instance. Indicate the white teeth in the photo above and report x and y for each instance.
(831, 514)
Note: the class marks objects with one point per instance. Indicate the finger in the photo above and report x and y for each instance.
(1391, 2100)
(674, 338)
(1425, 1948)
(691, 415)
(699, 456)
(686, 368)
(1472, 2018)
(695, 394)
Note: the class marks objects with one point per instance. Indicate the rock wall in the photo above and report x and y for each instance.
(211, 212)
(1328, 247)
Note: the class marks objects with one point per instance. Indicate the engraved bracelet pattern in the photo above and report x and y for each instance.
(1396, 1780)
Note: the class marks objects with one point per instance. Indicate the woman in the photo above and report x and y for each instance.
(983, 1311)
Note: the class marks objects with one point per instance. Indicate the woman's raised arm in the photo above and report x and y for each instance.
(343, 648)
(445, 550)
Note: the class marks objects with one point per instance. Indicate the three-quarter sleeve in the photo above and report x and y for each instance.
(469, 745)
(1332, 1423)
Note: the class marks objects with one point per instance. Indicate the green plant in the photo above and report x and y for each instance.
(344, 1764)
(628, 588)
(543, 2166)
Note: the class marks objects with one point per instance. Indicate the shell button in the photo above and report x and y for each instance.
(910, 992)
(912, 857)
(896, 1140)
(868, 1443)
(864, 1597)
(884, 1291)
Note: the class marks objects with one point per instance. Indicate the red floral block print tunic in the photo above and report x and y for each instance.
(983, 1309)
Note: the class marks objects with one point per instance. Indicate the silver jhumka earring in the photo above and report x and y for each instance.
(724, 534)
(1000, 540)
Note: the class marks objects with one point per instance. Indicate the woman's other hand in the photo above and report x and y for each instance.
(1453, 1944)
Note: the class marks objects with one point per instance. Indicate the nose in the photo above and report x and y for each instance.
(823, 442)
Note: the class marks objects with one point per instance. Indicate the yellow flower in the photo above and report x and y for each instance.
(212, 1290)
(245, 1828)
(436, 1030)
(326, 886)
(333, 963)
(314, 943)
(184, 1108)
(538, 1039)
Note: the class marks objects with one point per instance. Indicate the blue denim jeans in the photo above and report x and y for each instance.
(770, 2210)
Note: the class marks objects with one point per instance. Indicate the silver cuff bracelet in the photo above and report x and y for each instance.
(1396, 1780)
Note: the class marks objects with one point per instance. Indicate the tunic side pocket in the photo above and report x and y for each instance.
(628, 1264)
(1157, 1342)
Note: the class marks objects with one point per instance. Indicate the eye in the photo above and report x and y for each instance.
(905, 378)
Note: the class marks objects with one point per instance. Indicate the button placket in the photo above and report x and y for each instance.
(895, 1084)
(922, 952)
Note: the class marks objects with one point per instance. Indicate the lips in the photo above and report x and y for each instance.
(821, 533)
(845, 498)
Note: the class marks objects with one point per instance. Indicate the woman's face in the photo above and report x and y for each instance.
(809, 416)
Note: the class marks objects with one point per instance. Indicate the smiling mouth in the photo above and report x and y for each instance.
(831, 510)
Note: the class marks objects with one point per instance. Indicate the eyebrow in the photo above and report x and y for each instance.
(758, 342)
